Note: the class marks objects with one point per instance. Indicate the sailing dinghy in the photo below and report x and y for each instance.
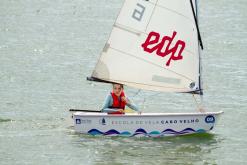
(154, 45)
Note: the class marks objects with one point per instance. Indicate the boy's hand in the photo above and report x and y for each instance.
(124, 99)
(121, 110)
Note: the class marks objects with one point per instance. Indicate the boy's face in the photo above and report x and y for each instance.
(117, 89)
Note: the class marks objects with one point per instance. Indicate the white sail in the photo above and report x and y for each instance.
(153, 46)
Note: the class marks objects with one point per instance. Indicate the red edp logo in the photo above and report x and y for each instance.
(163, 47)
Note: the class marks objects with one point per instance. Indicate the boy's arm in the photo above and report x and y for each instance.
(132, 105)
(107, 104)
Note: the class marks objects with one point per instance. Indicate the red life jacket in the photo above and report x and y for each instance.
(117, 103)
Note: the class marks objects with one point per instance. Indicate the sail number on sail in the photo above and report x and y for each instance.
(138, 13)
(163, 48)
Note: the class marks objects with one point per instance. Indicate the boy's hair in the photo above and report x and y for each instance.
(121, 85)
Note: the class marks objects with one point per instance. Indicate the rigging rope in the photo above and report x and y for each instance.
(199, 106)
(145, 98)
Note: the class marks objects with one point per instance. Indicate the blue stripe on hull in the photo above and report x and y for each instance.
(142, 132)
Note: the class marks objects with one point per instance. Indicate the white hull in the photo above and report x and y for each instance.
(145, 124)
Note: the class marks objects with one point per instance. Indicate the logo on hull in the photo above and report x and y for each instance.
(210, 119)
(78, 121)
(102, 121)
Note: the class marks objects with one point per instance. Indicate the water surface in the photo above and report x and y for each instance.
(47, 48)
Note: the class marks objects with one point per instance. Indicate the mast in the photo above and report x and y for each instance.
(200, 60)
(200, 45)
(199, 53)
